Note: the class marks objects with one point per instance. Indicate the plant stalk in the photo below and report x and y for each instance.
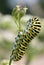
(10, 61)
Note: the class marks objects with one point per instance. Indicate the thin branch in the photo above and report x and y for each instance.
(10, 61)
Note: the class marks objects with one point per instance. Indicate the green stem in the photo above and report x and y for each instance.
(19, 22)
(19, 27)
(10, 61)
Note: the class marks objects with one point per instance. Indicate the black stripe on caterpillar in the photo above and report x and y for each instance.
(23, 38)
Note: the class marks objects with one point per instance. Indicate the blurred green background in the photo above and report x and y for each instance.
(8, 28)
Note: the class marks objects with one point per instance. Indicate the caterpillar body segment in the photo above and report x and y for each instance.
(23, 38)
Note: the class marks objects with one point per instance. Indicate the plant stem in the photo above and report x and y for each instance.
(19, 21)
(10, 61)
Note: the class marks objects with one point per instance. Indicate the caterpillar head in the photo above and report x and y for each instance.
(33, 21)
(34, 24)
(36, 21)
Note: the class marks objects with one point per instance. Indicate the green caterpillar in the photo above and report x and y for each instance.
(23, 38)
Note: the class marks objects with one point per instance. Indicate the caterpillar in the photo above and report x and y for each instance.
(23, 38)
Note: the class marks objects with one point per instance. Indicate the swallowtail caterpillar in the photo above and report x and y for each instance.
(23, 38)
